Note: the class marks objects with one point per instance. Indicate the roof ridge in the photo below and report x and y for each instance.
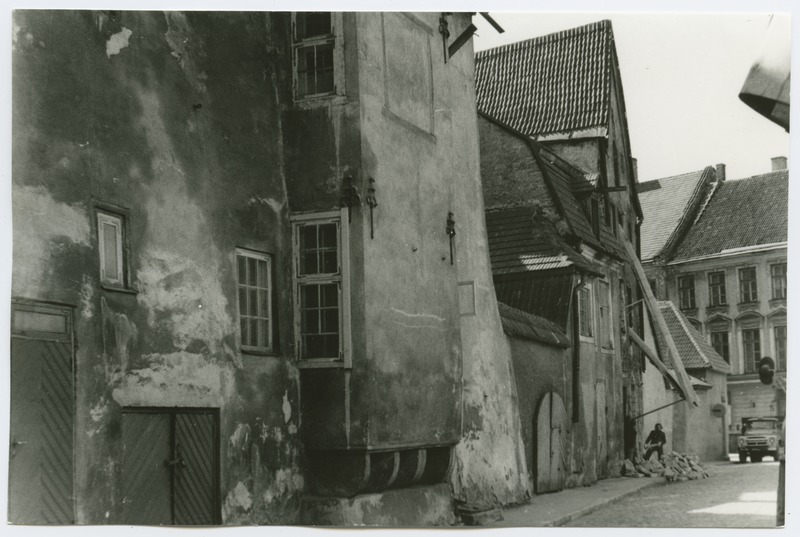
(701, 170)
(767, 175)
(604, 24)
(673, 240)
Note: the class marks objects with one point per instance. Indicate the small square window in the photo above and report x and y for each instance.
(254, 283)
(110, 241)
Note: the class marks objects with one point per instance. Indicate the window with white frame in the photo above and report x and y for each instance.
(716, 289)
(779, 333)
(686, 292)
(778, 274)
(748, 286)
(254, 282)
(318, 264)
(585, 317)
(316, 54)
(110, 239)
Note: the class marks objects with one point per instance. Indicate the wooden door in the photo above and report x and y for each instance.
(40, 484)
(170, 470)
(602, 429)
(551, 444)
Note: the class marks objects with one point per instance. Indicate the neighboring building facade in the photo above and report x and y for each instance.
(218, 282)
(564, 91)
(726, 271)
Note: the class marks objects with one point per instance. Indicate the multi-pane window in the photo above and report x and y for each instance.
(254, 281)
(585, 311)
(716, 289)
(719, 340)
(748, 288)
(751, 345)
(780, 347)
(778, 273)
(606, 322)
(319, 281)
(314, 54)
(686, 292)
(110, 235)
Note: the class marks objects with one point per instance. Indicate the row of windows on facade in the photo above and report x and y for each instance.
(751, 347)
(318, 279)
(717, 293)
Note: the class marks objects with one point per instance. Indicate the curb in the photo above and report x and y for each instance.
(585, 511)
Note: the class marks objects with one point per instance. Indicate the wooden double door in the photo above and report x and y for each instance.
(170, 470)
(552, 440)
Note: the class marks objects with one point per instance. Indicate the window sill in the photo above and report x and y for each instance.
(252, 351)
(774, 302)
(689, 312)
(721, 308)
(118, 289)
(308, 364)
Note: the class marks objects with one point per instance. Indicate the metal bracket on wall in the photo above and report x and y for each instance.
(350, 197)
(445, 34)
(372, 202)
(451, 232)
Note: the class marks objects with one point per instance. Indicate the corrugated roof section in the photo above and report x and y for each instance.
(664, 204)
(525, 325)
(558, 83)
(741, 213)
(694, 350)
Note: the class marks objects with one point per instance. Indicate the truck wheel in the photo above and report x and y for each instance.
(756, 458)
(742, 457)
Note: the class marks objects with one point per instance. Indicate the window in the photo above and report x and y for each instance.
(751, 343)
(748, 289)
(719, 340)
(606, 322)
(778, 273)
(585, 311)
(594, 214)
(320, 309)
(110, 238)
(716, 289)
(314, 54)
(686, 292)
(255, 300)
(780, 348)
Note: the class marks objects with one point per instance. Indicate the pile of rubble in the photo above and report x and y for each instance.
(673, 467)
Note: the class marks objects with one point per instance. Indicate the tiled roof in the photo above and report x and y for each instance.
(545, 294)
(557, 83)
(520, 243)
(695, 352)
(528, 326)
(741, 213)
(665, 203)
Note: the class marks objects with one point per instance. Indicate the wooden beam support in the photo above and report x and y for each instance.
(661, 326)
(653, 357)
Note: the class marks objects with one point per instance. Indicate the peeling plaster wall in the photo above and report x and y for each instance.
(148, 112)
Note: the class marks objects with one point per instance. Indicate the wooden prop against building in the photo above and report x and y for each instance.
(661, 325)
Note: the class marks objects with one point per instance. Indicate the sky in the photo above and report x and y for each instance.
(681, 76)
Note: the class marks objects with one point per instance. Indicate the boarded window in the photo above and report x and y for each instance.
(110, 234)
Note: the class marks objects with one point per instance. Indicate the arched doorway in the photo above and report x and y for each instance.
(551, 455)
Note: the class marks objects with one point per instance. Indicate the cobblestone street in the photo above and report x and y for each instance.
(735, 496)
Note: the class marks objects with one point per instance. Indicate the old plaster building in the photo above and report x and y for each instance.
(250, 278)
(719, 254)
(559, 184)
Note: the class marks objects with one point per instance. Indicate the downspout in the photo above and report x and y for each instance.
(576, 348)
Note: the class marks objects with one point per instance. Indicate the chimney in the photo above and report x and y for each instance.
(778, 163)
(720, 173)
(635, 165)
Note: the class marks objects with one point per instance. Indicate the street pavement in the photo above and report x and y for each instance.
(735, 496)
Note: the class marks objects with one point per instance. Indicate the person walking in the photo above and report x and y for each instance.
(655, 442)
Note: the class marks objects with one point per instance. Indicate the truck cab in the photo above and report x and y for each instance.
(760, 436)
